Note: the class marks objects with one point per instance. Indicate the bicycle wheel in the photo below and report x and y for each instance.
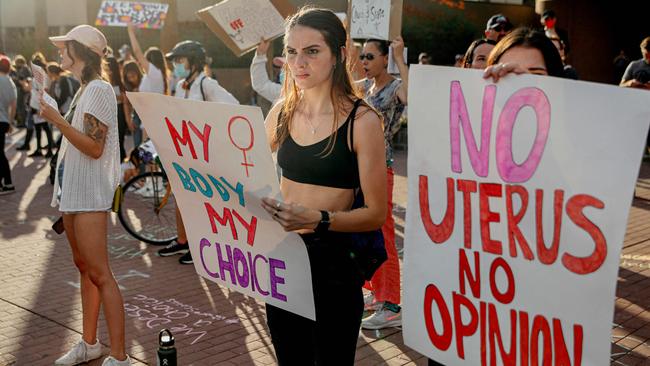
(148, 209)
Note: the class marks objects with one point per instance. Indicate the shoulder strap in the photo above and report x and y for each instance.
(353, 114)
(201, 87)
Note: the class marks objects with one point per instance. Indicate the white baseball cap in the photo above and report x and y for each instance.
(88, 36)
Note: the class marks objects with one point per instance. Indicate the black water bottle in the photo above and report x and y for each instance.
(166, 349)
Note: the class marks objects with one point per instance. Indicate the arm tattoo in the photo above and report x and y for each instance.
(95, 129)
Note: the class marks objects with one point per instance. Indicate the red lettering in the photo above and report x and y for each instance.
(488, 190)
(205, 138)
(548, 255)
(463, 330)
(585, 265)
(509, 294)
(560, 348)
(540, 327)
(176, 138)
(437, 233)
(250, 227)
(467, 187)
(440, 341)
(514, 233)
(523, 337)
(222, 220)
(509, 358)
(465, 272)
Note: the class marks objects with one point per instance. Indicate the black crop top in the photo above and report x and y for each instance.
(311, 165)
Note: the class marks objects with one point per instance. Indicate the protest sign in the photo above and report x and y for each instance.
(519, 194)
(378, 19)
(240, 24)
(219, 164)
(392, 66)
(40, 83)
(141, 14)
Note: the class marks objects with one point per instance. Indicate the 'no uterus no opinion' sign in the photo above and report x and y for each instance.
(519, 194)
(219, 164)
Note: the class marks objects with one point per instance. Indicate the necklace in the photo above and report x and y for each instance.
(311, 125)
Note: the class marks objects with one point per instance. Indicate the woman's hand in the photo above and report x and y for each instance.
(291, 216)
(49, 113)
(263, 47)
(398, 50)
(500, 70)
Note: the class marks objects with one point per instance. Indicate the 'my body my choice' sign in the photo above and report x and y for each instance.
(219, 164)
(519, 194)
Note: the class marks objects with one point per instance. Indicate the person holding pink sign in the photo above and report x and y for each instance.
(88, 170)
(330, 144)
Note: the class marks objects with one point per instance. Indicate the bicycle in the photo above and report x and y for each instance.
(148, 207)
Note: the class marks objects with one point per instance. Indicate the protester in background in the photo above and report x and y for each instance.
(260, 80)
(620, 64)
(37, 59)
(7, 114)
(477, 54)
(497, 27)
(424, 59)
(154, 67)
(549, 22)
(569, 71)
(62, 88)
(85, 203)
(125, 53)
(388, 95)
(458, 60)
(524, 51)
(329, 144)
(637, 74)
(112, 70)
(20, 74)
(131, 79)
(189, 60)
(39, 123)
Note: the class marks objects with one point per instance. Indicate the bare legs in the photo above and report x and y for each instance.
(87, 236)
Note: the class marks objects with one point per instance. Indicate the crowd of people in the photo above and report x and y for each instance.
(336, 111)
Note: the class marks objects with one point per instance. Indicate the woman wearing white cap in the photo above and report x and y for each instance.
(89, 156)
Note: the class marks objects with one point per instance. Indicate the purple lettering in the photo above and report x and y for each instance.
(275, 279)
(240, 263)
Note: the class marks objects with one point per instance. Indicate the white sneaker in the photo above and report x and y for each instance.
(382, 318)
(370, 303)
(112, 361)
(80, 353)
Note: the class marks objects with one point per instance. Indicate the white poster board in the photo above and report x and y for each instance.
(519, 194)
(392, 66)
(378, 19)
(219, 164)
(141, 14)
(241, 24)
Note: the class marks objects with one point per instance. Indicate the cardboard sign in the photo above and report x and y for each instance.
(519, 194)
(219, 164)
(378, 19)
(392, 66)
(141, 14)
(240, 24)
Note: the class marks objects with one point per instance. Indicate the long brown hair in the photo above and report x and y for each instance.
(131, 67)
(342, 94)
(156, 57)
(92, 61)
(530, 38)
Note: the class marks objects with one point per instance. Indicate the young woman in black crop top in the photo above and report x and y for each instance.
(329, 143)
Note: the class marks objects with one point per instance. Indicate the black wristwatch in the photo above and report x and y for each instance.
(324, 223)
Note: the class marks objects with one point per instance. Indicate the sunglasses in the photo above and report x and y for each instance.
(499, 28)
(367, 56)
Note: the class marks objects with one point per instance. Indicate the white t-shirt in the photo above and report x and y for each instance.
(89, 184)
(211, 88)
(152, 81)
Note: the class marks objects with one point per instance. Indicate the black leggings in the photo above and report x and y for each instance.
(5, 172)
(332, 338)
(48, 133)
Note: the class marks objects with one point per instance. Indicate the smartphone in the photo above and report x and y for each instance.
(58, 226)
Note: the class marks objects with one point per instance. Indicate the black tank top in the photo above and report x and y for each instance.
(312, 165)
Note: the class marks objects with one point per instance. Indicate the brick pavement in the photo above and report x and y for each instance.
(40, 309)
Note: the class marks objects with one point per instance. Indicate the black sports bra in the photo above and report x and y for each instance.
(312, 165)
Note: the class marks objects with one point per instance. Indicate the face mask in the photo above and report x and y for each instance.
(282, 77)
(180, 71)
